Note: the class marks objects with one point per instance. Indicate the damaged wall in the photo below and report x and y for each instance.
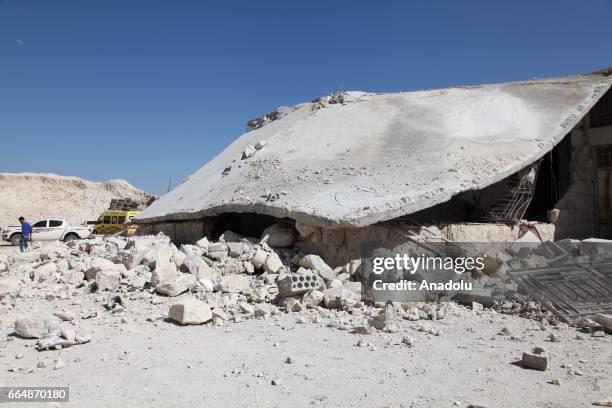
(577, 217)
(340, 246)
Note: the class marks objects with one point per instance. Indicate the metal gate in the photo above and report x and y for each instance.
(570, 291)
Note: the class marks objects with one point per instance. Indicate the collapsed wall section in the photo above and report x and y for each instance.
(340, 246)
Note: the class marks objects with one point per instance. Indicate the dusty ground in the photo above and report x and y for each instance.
(134, 362)
(137, 359)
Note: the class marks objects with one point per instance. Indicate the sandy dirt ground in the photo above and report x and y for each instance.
(137, 358)
(132, 361)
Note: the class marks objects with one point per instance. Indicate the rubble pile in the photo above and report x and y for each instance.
(233, 279)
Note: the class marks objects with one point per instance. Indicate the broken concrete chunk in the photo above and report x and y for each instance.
(245, 308)
(230, 236)
(196, 266)
(313, 298)
(262, 309)
(336, 298)
(235, 249)
(604, 402)
(74, 277)
(280, 235)
(318, 265)
(45, 270)
(202, 243)
(108, 279)
(219, 313)
(217, 251)
(604, 320)
(538, 359)
(234, 283)
(64, 315)
(296, 284)
(178, 258)
(248, 152)
(97, 264)
(24, 257)
(177, 285)
(164, 267)
(9, 286)
(291, 304)
(190, 311)
(482, 296)
(571, 246)
(34, 327)
(259, 258)
(272, 263)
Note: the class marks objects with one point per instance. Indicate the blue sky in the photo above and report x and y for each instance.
(144, 90)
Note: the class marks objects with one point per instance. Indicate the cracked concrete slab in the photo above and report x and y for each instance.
(374, 157)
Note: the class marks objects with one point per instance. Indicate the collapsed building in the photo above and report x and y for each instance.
(475, 164)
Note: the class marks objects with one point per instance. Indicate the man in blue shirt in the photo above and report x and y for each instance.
(26, 234)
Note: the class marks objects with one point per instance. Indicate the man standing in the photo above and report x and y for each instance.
(26, 234)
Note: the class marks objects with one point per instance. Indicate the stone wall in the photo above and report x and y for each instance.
(340, 246)
(181, 232)
(577, 208)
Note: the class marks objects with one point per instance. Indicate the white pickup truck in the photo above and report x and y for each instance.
(47, 230)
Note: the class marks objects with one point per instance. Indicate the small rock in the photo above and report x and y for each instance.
(58, 364)
(505, 332)
(477, 307)
(538, 359)
(245, 308)
(408, 340)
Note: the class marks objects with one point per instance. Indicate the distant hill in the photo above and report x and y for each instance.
(40, 195)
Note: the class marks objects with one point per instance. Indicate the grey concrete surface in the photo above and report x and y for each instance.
(379, 156)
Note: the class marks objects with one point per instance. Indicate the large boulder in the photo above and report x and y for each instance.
(190, 311)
